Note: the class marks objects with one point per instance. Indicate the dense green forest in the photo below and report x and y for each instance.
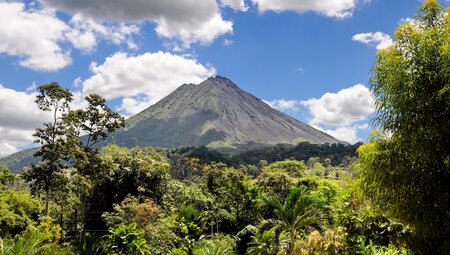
(388, 196)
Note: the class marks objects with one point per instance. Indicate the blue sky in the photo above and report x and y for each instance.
(308, 58)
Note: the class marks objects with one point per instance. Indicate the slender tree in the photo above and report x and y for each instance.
(48, 174)
(94, 124)
(407, 172)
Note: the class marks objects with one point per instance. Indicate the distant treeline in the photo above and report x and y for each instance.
(328, 154)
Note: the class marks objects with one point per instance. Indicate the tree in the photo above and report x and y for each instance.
(295, 213)
(6, 177)
(95, 123)
(139, 172)
(234, 197)
(279, 177)
(48, 174)
(264, 243)
(407, 171)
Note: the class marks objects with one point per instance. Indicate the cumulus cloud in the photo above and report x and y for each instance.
(342, 108)
(33, 36)
(18, 120)
(204, 33)
(378, 39)
(283, 104)
(85, 32)
(348, 134)
(132, 106)
(238, 5)
(143, 79)
(339, 114)
(330, 8)
(189, 20)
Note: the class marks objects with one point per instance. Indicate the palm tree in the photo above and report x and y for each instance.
(295, 213)
(264, 243)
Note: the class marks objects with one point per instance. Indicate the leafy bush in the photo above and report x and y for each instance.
(126, 240)
(18, 209)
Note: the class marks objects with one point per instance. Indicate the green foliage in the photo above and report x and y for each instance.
(6, 177)
(126, 240)
(95, 123)
(293, 168)
(369, 224)
(162, 237)
(323, 192)
(217, 245)
(48, 175)
(372, 249)
(138, 171)
(332, 242)
(17, 211)
(295, 213)
(335, 153)
(190, 222)
(36, 240)
(91, 245)
(234, 197)
(264, 243)
(130, 210)
(408, 173)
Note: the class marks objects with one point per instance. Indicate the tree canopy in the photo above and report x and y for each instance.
(406, 167)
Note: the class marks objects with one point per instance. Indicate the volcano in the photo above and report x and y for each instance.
(218, 114)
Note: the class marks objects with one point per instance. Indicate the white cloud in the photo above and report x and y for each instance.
(33, 36)
(19, 116)
(238, 5)
(203, 33)
(342, 114)
(283, 104)
(143, 79)
(190, 21)
(342, 108)
(378, 39)
(85, 33)
(132, 106)
(227, 42)
(31, 88)
(404, 20)
(330, 8)
(348, 134)
(7, 149)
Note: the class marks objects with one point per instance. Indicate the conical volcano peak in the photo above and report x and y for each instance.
(218, 81)
(215, 113)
